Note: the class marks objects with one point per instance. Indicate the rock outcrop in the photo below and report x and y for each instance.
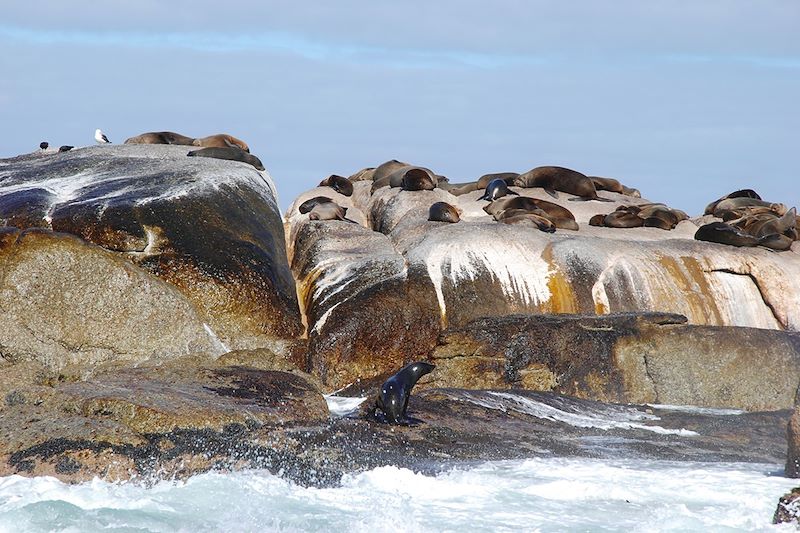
(188, 252)
(480, 268)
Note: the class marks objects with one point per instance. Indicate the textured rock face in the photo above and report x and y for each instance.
(651, 358)
(478, 268)
(63, 301)
(209, 228)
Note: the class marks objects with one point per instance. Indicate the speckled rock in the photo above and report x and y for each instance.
(210, 228)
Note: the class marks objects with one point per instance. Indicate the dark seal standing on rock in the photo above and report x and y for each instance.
(497, 188)
(553, 179)
(339, 184)
(395, 392)
(443, 212)
(231, 153)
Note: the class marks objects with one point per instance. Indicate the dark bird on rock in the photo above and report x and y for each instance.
(43, 145)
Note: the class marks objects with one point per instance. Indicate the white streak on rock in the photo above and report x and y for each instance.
(342, 405)
(218, 344)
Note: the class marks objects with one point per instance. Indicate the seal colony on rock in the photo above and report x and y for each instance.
(219, 140)
(230, 153)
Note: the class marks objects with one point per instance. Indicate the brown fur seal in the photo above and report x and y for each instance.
(597, 220)
(457, 189)
(607, 184)
(558, 215)
(412, 178)
(628, 191)
(443, 212)
(553, 179)
(365, 174)
(743, 193)
(542, 223)
(722, 233)
(329, 211)
(161, 137)
(230, 153)
(221, 140)
(486, 179)
(742, 202)
(763, 224)
(339, 184)
(309, 204)
(623, 219)
(497, 188)
(385, 169)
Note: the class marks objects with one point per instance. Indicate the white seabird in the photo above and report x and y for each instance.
(100, 137)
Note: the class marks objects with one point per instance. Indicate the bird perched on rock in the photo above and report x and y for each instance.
(43, 145)
(100, 137)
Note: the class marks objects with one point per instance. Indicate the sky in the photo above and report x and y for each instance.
(684, 100)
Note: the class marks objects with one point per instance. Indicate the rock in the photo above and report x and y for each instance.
(788, 508)
(793, 453)
(625, 358)
(479, 268)
(63, 301)
(176, 419)
(209, 228)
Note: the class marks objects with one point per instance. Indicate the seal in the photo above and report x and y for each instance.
(507, 177)
(623, 218)
(742, 193)
(443, 212)
(741, 203)
(365, 174)
(230, 153)
(558, 215)
(65, 148)
(519, 216)
(497, 188)
(221, 140)
(553, 179)
(387, 168)
(395, 392)
(309, 204)
(723, 233)
(457, 189)
(597, 220)
(329, 211)
(43, 145)
(161, 137)
(412, 178)
(339, 184)
(607, 184)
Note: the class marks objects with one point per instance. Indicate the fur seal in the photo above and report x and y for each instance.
(443, 212)
(553, 179)
(742, 193)
(309, 204)
(161, 137)
(597, 220)
(558, 215)
(365, 174)
(723, 233)
(413, 178)
(65, 148)
(457, 189)
(628, 191)
(339, 184)
(385, 169)
(623, 218)
(507, 177)
(221, 140)
(520, 216)
(742, 202)
(395, 392)
(607, 184)
(497, 188)
(329, 211)
(231, 153)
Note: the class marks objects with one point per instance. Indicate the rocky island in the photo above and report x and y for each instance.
(160, 317)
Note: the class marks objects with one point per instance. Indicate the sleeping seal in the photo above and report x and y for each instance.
(443, 212)
(339, 184)
(230, 153)
(161, 137)
(221, 140)
(309, 204)
(553, 179)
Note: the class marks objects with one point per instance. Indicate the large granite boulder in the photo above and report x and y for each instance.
(187, 254)
(481, 268)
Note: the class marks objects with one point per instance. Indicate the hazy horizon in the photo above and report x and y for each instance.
(684, 100)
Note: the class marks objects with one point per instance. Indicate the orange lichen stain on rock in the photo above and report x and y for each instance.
(562, 297)
(305, 290)
(693, 289)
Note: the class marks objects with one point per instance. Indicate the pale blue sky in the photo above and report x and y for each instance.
(684, 100)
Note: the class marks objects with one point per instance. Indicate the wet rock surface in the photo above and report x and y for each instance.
(209, 228)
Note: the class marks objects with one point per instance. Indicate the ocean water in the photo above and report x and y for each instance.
(544, 494)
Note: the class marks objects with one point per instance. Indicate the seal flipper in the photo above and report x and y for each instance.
(584, 199)
(552, 192)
